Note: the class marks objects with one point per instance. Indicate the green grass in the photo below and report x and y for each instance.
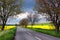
(46, 31)
(7, 34)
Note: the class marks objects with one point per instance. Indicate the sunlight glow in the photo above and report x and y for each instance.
(22, 15)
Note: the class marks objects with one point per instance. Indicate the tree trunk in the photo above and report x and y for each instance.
(57, 28)
(25, 26)
(32, 25)
(56, 24)
(3, 26)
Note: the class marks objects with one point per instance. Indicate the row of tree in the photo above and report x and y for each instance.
(31, 19)
(52, 9)
(9, 8)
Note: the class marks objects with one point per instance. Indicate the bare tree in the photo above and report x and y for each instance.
(33, 18)
(8, 8)
(52, 8)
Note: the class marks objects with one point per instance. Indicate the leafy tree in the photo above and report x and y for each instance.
(24, 23)
(52, 8)
(9, 8)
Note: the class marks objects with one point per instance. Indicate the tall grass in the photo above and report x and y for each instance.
(7, 34)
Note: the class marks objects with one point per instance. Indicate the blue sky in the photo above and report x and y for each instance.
(28, 5)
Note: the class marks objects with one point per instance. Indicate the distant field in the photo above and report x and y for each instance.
(8, 27)
(43, 26)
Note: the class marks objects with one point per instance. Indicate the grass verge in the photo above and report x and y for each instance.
(7, 34)
(46, 31)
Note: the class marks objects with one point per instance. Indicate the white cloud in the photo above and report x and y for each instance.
(22, 15)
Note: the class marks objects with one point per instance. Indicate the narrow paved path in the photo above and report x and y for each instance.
(26, 34)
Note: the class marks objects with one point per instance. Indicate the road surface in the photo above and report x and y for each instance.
(26, 34)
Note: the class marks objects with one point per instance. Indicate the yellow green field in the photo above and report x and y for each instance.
(8, 27)
(42, 26)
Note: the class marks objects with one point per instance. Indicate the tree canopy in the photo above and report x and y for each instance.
(9, 8)
(52, 8)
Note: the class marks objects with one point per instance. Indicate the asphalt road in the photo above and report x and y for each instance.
(26, 34)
